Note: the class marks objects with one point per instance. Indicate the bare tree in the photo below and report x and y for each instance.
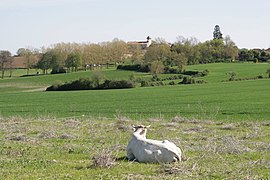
(5, 58)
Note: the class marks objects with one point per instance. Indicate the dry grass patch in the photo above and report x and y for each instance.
(83, 148)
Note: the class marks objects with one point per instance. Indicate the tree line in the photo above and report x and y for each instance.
(68, 57)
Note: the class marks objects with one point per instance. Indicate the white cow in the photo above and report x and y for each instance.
(151, 151)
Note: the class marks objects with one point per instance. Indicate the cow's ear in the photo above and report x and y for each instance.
(133, 127)
(148, 126)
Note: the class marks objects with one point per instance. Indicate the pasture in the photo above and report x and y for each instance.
(215, 100)
(86, 148)
(222, 127)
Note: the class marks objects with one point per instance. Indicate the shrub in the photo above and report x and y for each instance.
(188, 80)
(145, 83)
(232, 76)
(205, 72)
(171, 70)
(268, 72)
(155, 78)
(110, 84)
(134, 67)
(87, 84)
(197, 73)
(58, 71)
(172, 83)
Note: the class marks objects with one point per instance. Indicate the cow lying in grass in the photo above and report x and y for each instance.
(151, 151)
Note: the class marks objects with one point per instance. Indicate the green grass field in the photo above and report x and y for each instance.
(222, 127)
(215, 100)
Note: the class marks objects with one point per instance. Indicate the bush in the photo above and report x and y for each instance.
(189, 80)
(196, 73)
(145, 83)
(171, 70)
(155, 78)
(110, 84)
(58, 71)
(172, 83)
(87, 84)
(134, 67)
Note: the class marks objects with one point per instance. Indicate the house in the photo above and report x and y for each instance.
(144, 44)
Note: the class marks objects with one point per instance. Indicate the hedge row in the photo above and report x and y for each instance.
(135, 67)
(246, 78)
(87, 84)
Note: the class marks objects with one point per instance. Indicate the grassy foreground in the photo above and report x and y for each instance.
(95, 149)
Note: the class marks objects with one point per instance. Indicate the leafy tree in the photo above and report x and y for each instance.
(157, 52)
(264, 56)
(230, 49)
(245, 55)
(179, 59)
(136, 53)
(45, 62)
(21, 51)
(30, 58)
(156, 67)
(119, 49)
(187, 47)
(216, 50)
(56, 64)
(73, 61)
(5, 58)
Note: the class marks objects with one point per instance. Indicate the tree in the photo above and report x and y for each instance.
(5, 58)
(21, 51)
(55, 63)
(179, 59)
(136, 53)
(217, 33)
(230, 49)
(116, 51)
(156, 67)
(157, 52)
(245, 55)
(73, 61)
(45, 62)
(30, 60)
(187, 47)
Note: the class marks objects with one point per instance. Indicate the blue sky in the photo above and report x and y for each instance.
(38, 23)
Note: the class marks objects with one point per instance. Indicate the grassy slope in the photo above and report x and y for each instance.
(39, 83)
(219, 72)
(245, 100)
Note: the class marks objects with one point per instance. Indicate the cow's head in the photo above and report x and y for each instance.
(141, 129)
